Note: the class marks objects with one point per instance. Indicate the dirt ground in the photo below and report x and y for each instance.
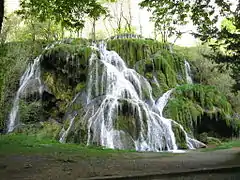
(34, 167)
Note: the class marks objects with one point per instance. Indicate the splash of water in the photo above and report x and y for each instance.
(188, 72)
(122, 91)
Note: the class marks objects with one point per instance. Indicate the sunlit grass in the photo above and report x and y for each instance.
(24, 144)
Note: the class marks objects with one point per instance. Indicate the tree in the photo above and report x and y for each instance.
(70, 13)
(120, 16)
(168, 15)
(226, 44)
(1, 14)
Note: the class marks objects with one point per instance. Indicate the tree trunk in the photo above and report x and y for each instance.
(33, 31)
(1, 14)
(94, 30)
(130, 16)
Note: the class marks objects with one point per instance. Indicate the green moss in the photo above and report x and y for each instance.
(30, 112)
(79, 132)
(180, 137)
(133, 50)
(58, 87)
(66, 124)
(80, 87)
(193, 105)
(149, 76)
(68, 62)
(171, 66)
(127, 124)
(209, 140)
(157, 91)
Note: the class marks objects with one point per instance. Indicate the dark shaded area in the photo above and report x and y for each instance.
(1, 14)
(50, 106)
(215, 127)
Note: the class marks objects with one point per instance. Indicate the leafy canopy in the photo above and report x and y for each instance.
(204, 15)
(70, 13)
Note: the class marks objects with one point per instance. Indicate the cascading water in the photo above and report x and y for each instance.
(123, 93)
(188, 72)
(64, 133)
(32, 73)
(120, 110)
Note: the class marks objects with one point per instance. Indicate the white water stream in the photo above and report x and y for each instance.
(110, 77)
(188, 72)
(32, 72)
(124, 92)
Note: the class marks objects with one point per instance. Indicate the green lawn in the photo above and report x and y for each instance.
(24, 144)
(28, 145)
(226, 145)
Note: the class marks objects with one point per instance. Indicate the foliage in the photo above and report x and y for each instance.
(120, 16)
(71, 14)
(30, 112)
(1, 14)
(208, 72)
(194, 105)
(168, 16)
(41, 130)
(209, 140)
(13, 61)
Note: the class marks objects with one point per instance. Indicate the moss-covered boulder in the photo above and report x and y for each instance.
(201, 109)
(68, 62)
(64, 72)
(133, 50)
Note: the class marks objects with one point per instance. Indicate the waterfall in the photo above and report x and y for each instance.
(188, 72)
(122, 91)
(32, 73)
(64, 133)
(120, 110)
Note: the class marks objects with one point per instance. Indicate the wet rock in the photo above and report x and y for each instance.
(31, 90)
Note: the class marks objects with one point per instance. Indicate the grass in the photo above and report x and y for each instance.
(225, 145)
(24, 144)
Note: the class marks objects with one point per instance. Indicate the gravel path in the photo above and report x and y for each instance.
(46, 167)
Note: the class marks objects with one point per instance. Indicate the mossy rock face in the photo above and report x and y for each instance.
(127, 124)
(133, 50)
(169, 67)
(78, 132)
(152, 60)
(180, 137)
(64, 73)
(129, 120)
(67, 61)
(201, 109)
